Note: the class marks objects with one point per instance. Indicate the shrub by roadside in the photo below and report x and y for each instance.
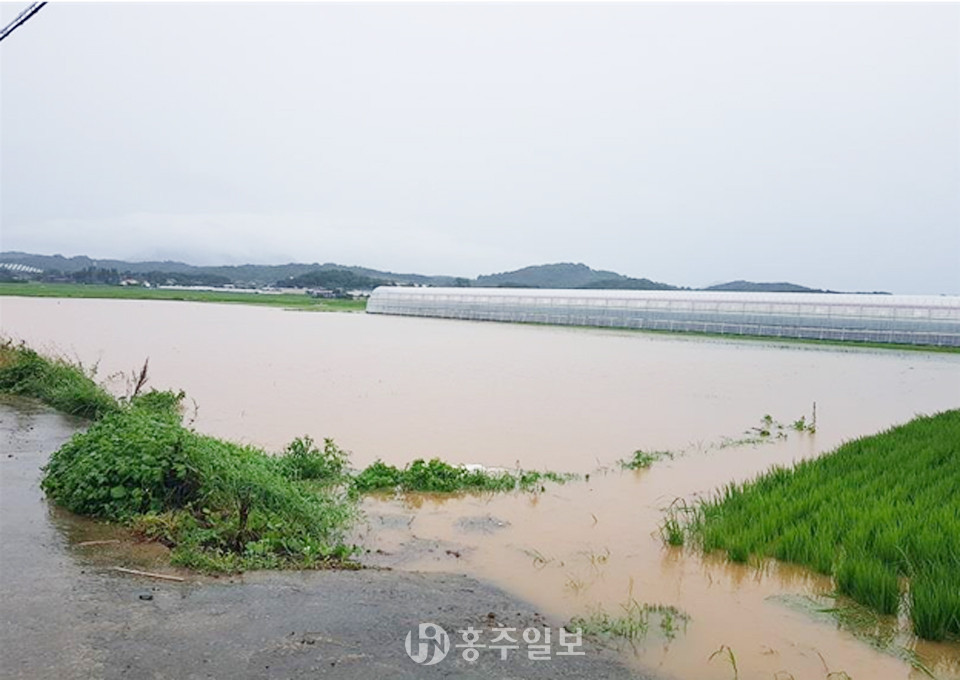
(65, 386)
(218, 505)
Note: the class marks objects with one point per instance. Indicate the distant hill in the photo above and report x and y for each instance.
(568, 275)
(331, 275)
(782, 287)
(560, 275)
(241, 275)
(626, 283)
(753, 287)
(333, 279)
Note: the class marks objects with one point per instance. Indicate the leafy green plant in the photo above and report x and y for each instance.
(218, 505)
(439, 477)
(130, 462)
(378, 476)
(302, 459)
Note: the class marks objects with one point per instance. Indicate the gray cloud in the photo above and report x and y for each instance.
(689, 143)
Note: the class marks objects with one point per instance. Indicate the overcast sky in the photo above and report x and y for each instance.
(688, 143)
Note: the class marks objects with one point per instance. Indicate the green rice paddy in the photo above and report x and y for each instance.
(880, 514)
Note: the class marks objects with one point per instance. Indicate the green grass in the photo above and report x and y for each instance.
(436, 476)
(881, 514)
(76, 290)
(220, 506)
(66, 386)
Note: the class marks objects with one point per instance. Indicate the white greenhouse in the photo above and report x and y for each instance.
(905, 319)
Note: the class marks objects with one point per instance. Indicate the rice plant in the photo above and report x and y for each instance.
(724, 652)
(877, 513)
(672, 529)
(633, 622)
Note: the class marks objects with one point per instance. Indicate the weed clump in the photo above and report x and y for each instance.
(219, 506)
(644, 459)
(65, 386)
(303, 460)
(437, 476)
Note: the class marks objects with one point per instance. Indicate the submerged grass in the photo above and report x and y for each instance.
(633, 622)
(643, 459)
(877, 513)
(436, 476)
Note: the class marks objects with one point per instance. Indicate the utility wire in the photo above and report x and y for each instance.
(21, 19)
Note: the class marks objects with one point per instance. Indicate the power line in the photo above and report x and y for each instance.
(21, 19)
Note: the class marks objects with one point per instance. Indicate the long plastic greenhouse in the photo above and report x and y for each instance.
(904, 319)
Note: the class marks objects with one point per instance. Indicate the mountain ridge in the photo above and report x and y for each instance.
(571, 275)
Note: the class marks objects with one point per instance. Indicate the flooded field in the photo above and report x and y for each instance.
(564, 399)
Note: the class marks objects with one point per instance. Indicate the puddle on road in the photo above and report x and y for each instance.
(105, 545)
(564, 399)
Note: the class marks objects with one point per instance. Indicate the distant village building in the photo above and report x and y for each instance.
(320, 293)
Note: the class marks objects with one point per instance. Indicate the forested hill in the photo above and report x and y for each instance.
(566, 275)
(754, 287)
(240, 275)
(83, 269)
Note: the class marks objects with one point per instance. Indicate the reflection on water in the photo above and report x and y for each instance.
(564, 399)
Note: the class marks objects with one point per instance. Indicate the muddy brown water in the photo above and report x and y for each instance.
(565, 399)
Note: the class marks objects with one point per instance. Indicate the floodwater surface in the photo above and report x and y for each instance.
(564, 399)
